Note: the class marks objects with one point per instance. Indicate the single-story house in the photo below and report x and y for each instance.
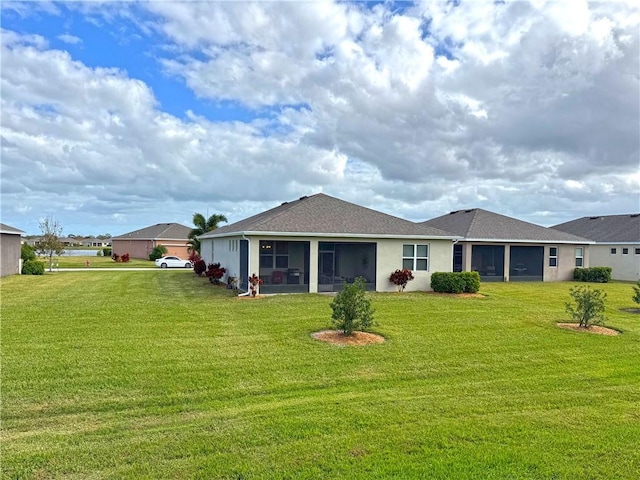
(316, 243)
(32, 240)
(10, 250)
(617, 242)
(505, 249)
(95, 242)
(140, 243)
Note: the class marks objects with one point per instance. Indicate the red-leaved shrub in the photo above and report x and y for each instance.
(199, 267)
(400, 278)
(215, 272)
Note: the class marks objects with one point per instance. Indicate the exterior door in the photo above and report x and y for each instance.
(244, 265)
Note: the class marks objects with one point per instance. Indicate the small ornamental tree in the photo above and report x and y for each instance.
(50, 244)
(215, 272)
(636, 294)
(400, 278)
(589, 306)
(351, 308)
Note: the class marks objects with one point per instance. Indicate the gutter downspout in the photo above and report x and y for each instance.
(453, 253)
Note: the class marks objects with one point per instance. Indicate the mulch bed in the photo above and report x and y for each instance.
(336, 337)
(597, 329)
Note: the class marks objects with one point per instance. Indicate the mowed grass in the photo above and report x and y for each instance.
(162, 375)
(70, 261)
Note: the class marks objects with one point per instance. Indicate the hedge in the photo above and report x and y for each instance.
(455, 282)
(32, 267)
(593, 274)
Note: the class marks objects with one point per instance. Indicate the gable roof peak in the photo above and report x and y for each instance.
(326, 215)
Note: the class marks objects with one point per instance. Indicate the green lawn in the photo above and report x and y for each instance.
(68, 261)
(162, 375)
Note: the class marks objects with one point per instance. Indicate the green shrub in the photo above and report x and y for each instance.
(589, 306)
(447, 282)
(106, 252)
(27, 252)
(32, 267)
(593, 274)
(99, 253)
(471, 281)
(158, 252)
(636, 292)
(351, 308)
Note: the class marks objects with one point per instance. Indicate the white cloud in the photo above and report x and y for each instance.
(431, 108)
(70, 39)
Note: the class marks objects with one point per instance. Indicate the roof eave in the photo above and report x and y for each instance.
(327, 235)
(172, 239)
(511, 240)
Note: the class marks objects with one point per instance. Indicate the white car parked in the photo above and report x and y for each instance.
(173, 262)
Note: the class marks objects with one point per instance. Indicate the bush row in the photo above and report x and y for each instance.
(593, 274)
(455, 282)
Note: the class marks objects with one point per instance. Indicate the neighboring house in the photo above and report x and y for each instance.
(617, 242)
(505, 249)
(32, 241)
(316, 243)
(10, 250)
(69, 241)
(95, 242)
(140, 243)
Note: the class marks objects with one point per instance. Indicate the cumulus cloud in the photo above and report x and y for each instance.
(415, 111)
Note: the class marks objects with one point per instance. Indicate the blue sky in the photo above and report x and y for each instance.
(107, 43)
(120, 115)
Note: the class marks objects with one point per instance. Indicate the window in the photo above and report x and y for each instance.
(625, 251)
(553, 256)
(637, 251)
(579, 257)
(415, 257)
(613, 251)
(274, 254)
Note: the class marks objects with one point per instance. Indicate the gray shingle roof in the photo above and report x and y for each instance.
(323, 214)
(606, 228)
(481, 224)
(10, 230)
(161, 231)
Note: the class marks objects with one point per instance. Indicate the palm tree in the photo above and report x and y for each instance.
(203, 226)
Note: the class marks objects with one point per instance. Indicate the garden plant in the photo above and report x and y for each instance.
(351, 308)
(400, 278)
(636, 293)
(588, 306)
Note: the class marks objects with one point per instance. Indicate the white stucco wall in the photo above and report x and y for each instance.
(624, 267)
(566, 262)
(388, 259)
(224, 250)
